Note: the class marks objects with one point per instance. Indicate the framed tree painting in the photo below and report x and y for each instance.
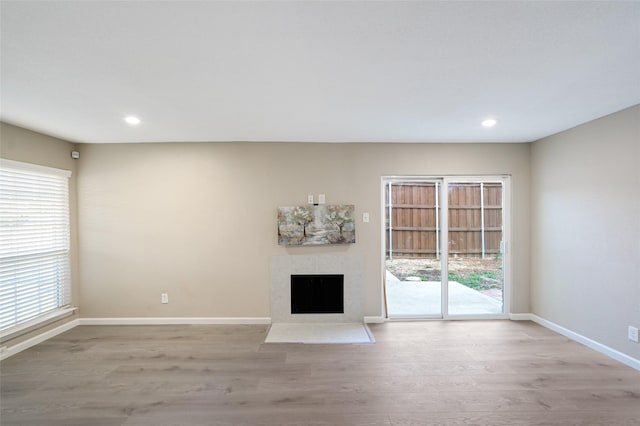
(316, 225)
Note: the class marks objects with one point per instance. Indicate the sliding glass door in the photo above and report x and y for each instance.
(456, 225)
(475, 267)
(413, 275)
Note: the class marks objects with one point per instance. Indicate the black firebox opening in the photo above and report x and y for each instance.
(317, 294)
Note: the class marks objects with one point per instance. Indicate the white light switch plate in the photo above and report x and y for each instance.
(321, 199)
(365, 217)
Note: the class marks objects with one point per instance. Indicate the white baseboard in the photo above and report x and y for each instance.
(603, 349)
(374, 320)
(171, 321)
(19, 347)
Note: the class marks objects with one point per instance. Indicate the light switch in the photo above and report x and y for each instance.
(365, 217)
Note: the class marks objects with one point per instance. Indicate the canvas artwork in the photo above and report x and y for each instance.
(316, 225)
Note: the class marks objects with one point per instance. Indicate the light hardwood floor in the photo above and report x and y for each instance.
(418, 373)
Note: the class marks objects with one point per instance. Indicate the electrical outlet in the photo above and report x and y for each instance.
(321, 199)
(164, 298)
(633, 334)
(309, 199)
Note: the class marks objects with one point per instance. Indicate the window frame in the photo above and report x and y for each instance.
(60, 247)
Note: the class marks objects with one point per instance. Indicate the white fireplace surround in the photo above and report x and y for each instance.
(283, 266)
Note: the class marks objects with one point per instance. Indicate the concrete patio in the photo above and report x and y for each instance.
(422, 298)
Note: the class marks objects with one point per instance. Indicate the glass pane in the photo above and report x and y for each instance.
(413, 268)
(475, 267)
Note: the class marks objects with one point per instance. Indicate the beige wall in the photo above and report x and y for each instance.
(585, 229)
(23, 145)
(198, 220)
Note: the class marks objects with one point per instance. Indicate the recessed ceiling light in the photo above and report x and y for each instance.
(132, 120)
(490, 122)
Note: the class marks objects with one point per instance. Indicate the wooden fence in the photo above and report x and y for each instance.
(475, 219)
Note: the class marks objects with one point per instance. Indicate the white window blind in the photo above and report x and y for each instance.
(35, 276)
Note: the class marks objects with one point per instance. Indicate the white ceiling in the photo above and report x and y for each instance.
(316, 71)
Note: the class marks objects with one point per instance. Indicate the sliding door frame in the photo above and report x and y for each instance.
(438, 180)
(444, 182)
